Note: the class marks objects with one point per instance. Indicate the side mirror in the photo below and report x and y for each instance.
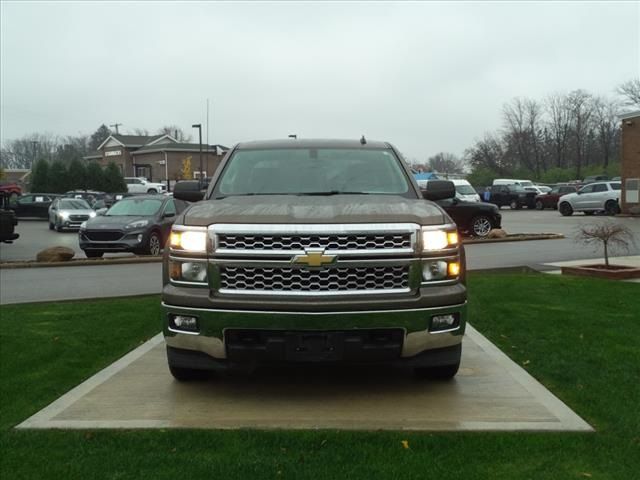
(188, 190)
(439, 190)
(168, 214)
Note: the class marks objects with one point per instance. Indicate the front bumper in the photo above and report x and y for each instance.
(417, 337)
(129, 242)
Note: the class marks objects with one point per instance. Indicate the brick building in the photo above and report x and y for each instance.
(156, 157)
(630, 167)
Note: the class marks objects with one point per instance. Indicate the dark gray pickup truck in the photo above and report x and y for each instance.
(314, 251)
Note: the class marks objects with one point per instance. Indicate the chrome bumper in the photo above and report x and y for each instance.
(214, 322)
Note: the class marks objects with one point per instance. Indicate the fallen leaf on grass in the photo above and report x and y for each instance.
(526, 362)
(586, 474)
(405, 443)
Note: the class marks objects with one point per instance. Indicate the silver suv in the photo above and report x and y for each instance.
(595, 197)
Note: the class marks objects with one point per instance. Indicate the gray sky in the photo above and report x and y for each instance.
(428, 77)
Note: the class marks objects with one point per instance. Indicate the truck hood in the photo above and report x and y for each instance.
(290, 209)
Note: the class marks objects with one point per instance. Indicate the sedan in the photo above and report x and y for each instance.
(139, 224)
(34, 205)
(472, 218)
(550, 200)
(69, 213)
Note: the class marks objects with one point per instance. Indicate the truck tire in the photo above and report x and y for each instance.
(565, 209)
(152, 191)
(188, 374)
(441, 372)
(514, 205)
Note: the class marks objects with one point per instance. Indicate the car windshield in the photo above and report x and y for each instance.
(516, 188)
(135, 207)
(73, 204)
(526, 183)
(313, 171)
(465, 190)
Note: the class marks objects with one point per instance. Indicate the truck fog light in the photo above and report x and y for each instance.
(140, 238)
(449, 321)
(436, 270)
(194, 271)
(454, 269)
(183, 322)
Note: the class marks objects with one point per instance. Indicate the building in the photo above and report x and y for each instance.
(157, 157)
(630, 166)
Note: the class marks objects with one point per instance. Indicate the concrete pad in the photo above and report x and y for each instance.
(628, 261)
(490, 393)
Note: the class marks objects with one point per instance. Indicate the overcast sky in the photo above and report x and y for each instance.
(428, 77)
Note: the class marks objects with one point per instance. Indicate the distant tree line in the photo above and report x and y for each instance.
(56, 177)
(24, 152)
(564, 136)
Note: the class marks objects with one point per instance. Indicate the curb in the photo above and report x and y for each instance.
(518, 237)
(81, 262)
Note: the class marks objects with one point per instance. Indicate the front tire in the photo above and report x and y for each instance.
(154, 244)
(539, 205)
(611, 208)
(152, 191)
(480, 226)
(565, 209)
(513, 205)
(50, 226)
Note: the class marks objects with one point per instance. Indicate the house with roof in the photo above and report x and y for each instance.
(156, 157)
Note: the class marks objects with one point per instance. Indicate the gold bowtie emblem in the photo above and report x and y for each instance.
(314, 258)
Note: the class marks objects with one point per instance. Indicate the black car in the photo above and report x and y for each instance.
(33, 205)
(514, 196)
(90, 196)
(8, 220)
(472, 218)
(139, 224)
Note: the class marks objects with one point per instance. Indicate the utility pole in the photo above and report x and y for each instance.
(199, 127)
(116, 125)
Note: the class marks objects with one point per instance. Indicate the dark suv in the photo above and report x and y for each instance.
(514, 196)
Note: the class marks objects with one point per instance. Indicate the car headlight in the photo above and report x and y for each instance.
(64, 215)
(189, 240)
(92, 214)
(438, 239)
(137, 224)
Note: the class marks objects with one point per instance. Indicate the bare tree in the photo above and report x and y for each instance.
(608, 233)
(445, 162)
(607, 126)
(141, 131)
(517, 129)
(581, 107)
(176, 132)
(559, 126)
(630, 90)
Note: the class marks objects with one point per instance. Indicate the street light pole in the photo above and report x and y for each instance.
(199, 127)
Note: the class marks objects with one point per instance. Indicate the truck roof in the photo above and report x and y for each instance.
(311, 143)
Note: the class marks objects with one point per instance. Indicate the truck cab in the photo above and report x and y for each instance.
(313, 251)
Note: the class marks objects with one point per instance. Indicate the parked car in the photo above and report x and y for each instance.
(550, 200)
(538, 189)
(90, 196)
(139, 224)
(8, 219)
(142, 185)
(67, 213)
(595, 178)
(472, 218)
(34, 205)
(464, 191)
(512, 181)
(514, 196)
(592, 198)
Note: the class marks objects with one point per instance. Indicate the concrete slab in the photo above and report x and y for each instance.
(490, 393)
(629, 261)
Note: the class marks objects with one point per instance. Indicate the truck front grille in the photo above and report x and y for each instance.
(287, 280)
(389, 241)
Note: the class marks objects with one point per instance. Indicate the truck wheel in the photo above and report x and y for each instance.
(481, 226)
(539, 205)
(514, 205)
(441, 372)
(565, 209)
(154, 244)
(93, 253)
(188, 374)
(152, 191)
(611, 208)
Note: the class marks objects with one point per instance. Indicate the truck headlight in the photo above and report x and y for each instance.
(189, 240)
(438, 239)
(188, 271)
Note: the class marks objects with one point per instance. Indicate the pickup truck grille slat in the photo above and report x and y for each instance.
(310, 281)
(390, 241)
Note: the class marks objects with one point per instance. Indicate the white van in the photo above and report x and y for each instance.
(465, 192)
(513, 181)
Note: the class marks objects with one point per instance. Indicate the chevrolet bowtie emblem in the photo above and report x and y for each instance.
(314, 257)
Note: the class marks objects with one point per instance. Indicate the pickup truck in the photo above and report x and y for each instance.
(313, 251)
(142, 185)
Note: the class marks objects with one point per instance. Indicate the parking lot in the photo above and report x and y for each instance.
(35, 236)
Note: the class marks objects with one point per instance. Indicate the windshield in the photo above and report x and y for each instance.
(135, 207)
(517, 188)
(465, 190)
(526, 183)
(73, 204)
(313, 171)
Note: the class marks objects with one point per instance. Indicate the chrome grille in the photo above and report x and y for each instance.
(389, 241)
(327, 280)
(78, 218)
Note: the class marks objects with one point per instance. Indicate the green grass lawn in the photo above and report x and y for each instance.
(579, 337)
